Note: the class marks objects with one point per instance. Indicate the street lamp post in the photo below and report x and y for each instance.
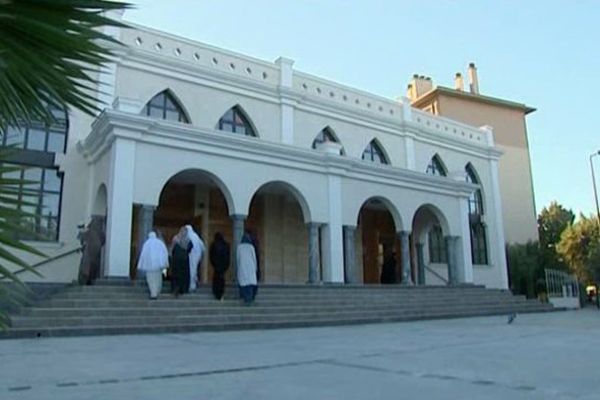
(597, 210)
(594, 184)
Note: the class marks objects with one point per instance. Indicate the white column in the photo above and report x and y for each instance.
(464, 261)
(120, 201)
(496, 226)
(333, 250)
(287, 105)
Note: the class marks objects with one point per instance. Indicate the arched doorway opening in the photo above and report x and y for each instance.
(377, 241)
(276, 218)
(193, 197)
(429, 247)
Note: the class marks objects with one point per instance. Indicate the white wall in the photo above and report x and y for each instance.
(242, 165)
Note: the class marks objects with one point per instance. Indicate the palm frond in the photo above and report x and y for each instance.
(50, 53)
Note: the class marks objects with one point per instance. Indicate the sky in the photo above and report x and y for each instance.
(545, 54)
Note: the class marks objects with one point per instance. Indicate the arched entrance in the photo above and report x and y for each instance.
(377, 241)
(277, 218)
(193, 197)
(429, 245)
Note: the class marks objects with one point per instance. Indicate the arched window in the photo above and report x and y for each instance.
(475, 200)
(374, 153)
(236, 121)
(164, 106)
(436, 167)
(32, 160)
(479, 253)
(437, 245)
(324, 136)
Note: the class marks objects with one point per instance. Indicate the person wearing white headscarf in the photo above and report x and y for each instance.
(246, 269)
(153, 259)
(195, 256)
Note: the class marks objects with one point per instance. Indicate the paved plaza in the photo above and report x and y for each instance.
(540, 356)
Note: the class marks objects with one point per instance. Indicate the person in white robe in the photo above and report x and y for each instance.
(154, 258)
(195, 256)
(246, 269)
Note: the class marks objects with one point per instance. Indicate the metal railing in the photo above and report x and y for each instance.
(45, 261)
(436, 274)
(561, 284)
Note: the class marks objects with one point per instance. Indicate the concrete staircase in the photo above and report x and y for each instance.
(114, 307)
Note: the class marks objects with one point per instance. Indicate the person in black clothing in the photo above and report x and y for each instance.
(180, 264)
(388, 269)
(219, 258)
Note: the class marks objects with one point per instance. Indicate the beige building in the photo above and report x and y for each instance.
(507, 119)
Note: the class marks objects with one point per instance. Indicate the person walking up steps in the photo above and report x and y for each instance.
(195, 256)
(246, 269)
(154, 258)
(219, 258)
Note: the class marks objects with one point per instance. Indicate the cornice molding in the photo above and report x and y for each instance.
(113, 124)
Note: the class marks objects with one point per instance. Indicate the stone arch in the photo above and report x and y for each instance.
(100, 205)
(245, 117)
(429, 246)
(188, 173)
(328, 130)
(286, 186)
(174, 98)
(436, 163)
(425, 211)
(471, 170)
(374, 142)
(277, 218)
(388, 204)
(377, 242)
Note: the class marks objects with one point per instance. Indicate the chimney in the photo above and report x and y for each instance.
(473, 81)
(459, 83)
(418, 86)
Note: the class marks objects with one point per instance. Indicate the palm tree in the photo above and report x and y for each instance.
(50, 53)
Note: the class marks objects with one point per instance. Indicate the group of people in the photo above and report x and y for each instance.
(184, 258)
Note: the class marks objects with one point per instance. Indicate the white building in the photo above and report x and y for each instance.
(329, 177)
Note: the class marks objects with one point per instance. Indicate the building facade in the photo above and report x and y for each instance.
(507, 118)
(332, 180)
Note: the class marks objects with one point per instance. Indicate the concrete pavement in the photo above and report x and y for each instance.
(540, 356)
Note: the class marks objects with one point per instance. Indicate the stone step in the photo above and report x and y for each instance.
(247, 313)
(110, 308)
(232, 307)
(197, 301)
(180, 328)
(284, 296)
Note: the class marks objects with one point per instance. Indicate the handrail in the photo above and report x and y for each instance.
(436, 274)
(46, 261)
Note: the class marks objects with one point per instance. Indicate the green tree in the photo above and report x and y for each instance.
(51, 52)
(527, 262)
(552, 221)
(579, 247)
(523, 266)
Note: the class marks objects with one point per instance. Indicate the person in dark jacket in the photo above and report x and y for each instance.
(180, 263)
(388, 269)
(219, 258)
